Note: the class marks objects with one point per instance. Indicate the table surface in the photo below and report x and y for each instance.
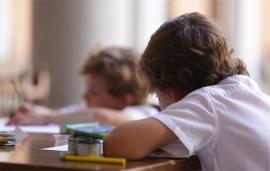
(27, 155)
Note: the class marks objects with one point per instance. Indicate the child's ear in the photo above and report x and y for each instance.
(128, 99)
(174, 95)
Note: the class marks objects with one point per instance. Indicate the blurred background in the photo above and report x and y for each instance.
(43, 42)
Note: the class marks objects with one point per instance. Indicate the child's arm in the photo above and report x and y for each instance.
(33, 119)
(29, 114)
(136, 139)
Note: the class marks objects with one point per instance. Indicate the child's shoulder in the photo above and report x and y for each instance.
(229, 85)
(233, 87)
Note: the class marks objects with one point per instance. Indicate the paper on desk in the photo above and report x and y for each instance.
(62, 148)
(54, 129)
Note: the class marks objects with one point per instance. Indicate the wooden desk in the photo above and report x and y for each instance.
(28, 155)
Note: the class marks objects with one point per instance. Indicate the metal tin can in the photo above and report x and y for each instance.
(88, 146)
(72, 145)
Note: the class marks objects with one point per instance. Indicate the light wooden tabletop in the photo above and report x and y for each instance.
(27, 155)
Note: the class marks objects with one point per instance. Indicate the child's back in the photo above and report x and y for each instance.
(230, 125)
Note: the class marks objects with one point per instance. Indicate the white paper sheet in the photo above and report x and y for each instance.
(62, 148)
(54, 129)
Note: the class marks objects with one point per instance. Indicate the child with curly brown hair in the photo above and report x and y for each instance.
(210, 106)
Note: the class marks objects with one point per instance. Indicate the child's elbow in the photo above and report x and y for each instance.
(112, 148)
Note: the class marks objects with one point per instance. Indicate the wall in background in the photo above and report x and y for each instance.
(63, 33)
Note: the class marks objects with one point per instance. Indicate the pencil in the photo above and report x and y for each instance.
(111, 160)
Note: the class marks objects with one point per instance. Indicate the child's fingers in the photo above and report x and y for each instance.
(18, 119)
(12, 121)
(24, 109)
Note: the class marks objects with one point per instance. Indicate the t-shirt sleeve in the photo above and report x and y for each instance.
(192, 120)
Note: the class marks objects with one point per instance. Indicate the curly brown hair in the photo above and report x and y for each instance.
(187, 53)
(118, 68)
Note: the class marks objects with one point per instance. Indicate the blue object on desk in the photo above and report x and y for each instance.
(100, 129)
(72, 127)
(92, 130)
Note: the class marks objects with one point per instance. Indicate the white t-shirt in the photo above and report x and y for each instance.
(227, 125)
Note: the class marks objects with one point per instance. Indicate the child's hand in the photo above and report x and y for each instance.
(103, 116)
(29, 114)
(107, 116)
(28, 119)
(28, 108)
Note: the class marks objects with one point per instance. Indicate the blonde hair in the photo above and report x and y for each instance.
(118, 68)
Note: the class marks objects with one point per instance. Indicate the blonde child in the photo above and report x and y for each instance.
(113, 92)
